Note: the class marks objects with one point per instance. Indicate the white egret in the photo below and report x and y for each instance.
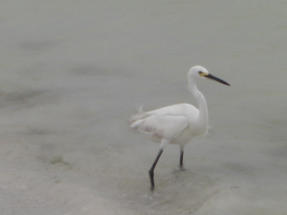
(178, 123)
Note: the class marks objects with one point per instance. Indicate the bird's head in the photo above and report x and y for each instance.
(201, 72)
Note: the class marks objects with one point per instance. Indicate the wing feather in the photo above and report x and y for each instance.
(167, 122)
(161, 126)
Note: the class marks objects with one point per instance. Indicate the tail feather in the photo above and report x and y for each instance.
(136, 124)
(137, 118)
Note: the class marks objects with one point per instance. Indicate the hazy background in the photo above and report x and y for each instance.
(72, 72)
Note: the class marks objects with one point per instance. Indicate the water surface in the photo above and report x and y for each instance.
(73, 72)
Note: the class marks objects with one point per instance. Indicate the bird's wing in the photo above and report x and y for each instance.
(161, 125)
(176, 109)
(182, 109)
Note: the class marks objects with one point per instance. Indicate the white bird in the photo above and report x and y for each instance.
(178, 123)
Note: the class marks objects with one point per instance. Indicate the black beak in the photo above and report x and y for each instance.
(217, 79)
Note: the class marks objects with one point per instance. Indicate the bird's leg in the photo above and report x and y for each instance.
(151, 171)
(181, 158)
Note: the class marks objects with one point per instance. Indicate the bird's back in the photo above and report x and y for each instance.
(167, 122)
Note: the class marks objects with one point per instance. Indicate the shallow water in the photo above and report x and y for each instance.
(72, 73)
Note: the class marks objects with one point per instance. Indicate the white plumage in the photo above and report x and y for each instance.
(179, 123)
(168, 122)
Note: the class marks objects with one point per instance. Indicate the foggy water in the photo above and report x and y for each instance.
(72, 72)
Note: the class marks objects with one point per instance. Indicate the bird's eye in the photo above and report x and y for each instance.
(202, 74)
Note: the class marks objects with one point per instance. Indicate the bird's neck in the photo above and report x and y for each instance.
(201, 102)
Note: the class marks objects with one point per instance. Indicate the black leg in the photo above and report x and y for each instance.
(151, 171)
(181, 159)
